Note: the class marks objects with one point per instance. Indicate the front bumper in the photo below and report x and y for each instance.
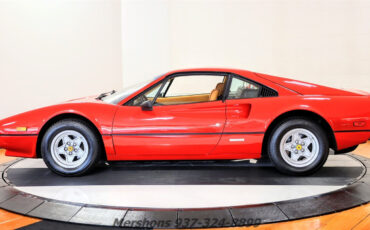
(19, 145)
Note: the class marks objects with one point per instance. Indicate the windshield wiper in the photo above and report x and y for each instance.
(105, 94)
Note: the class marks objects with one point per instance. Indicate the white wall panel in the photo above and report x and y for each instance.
(52, 51)
(324, 42)
(145, 39)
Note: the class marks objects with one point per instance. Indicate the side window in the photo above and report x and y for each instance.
(242, 88)
(193, 85)
(191, 89)
(183, 90)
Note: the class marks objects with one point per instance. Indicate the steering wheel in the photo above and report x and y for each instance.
(143, 98)
(140, 100)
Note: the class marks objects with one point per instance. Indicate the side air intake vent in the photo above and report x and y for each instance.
(267, 92)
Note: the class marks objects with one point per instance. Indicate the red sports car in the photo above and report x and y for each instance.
(195, 114)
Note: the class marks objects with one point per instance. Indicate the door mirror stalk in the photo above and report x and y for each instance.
(147, 106)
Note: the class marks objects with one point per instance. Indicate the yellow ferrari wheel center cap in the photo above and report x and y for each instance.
(70, 148)
(299, 147)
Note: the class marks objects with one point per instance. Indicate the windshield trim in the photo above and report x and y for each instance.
(120, 97)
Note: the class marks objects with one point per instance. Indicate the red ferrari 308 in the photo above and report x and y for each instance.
(195, 114)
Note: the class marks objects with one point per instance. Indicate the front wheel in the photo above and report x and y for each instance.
(70, 148)
(298, 147)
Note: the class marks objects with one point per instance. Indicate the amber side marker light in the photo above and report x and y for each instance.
(21, 129)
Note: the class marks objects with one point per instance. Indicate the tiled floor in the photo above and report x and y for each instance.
(357, 218)
(10, 220)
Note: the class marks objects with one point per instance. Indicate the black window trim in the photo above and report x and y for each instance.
(233, 75)
(168, 87)
(226, 90)
(169, 77)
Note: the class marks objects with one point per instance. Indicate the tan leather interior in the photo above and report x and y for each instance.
(214, 95)
(183, 99)
(220, 88)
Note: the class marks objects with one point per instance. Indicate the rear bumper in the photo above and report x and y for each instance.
(347, 139)
(19, 145)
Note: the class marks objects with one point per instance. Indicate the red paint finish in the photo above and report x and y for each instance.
(23, 143)
(306, 88)
(240, 146)
(349, 139)
(168, 132)
(109, 147)
(19, 146)
(230, 129)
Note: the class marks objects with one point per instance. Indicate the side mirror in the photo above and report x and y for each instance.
(146, 106)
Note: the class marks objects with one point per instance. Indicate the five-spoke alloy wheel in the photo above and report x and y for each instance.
(70, 147)
(298, 146)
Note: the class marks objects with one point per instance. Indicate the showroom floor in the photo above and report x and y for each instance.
(168, 187)
(356, 218)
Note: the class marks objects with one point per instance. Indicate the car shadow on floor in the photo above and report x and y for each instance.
(182, 174)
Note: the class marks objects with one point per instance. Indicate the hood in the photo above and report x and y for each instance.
(305, 88)
(87, 99)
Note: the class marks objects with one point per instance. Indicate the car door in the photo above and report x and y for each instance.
(183, 124)
(242, 137)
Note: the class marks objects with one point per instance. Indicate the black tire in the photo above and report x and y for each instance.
(277, 136)
(82, 127)
(347, 150)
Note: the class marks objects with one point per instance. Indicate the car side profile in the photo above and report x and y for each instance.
(195, 114)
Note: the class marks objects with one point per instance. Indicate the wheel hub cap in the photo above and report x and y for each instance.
(69, 149)
(299, 147)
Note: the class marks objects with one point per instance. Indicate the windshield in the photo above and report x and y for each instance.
(118, 96)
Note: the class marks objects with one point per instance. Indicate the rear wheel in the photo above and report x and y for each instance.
(298, 147)
(70, 148)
